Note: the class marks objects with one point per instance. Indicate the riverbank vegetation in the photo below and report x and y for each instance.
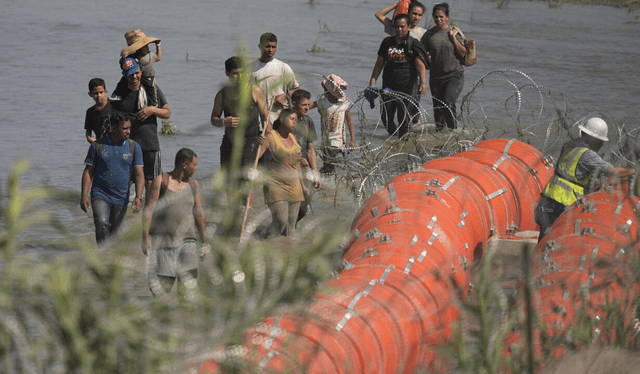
(75, 308)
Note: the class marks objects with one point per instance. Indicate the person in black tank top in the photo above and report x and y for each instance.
(228, 113)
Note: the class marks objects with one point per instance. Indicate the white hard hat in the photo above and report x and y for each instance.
(595, 127)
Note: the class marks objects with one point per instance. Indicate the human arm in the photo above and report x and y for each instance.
(201, 223)
(138, 175)
(88, 135)
(216, 114)
(164, 112)
(457, 45)
(422, 90)
(262, 148)
(258, 97)
(347, 116)
(158, 51)
(283, 98)
(289, 85)
(152, 198)
(381, 15)
(313, 163)
(87, 178)
(377, 69)
(620, 172)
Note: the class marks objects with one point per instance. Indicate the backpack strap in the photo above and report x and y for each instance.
(97, 154)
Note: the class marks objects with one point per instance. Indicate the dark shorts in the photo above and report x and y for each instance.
(248, 156)
(152, 165)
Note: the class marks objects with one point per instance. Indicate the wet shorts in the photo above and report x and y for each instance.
(152, 165)
(173, 260)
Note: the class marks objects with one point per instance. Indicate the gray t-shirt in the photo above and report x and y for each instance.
(146, 63)
(305, 132)
(444, 61)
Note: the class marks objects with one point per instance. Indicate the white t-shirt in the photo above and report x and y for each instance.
(333, 114)
(415, 32)
(274, 78)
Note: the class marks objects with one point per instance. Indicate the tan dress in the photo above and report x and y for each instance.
(282, 165)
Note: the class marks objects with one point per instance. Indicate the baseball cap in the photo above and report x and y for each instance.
(129, 66)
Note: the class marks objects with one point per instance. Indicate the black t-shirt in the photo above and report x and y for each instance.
(97, 121)
(144, 132)
(399, 72)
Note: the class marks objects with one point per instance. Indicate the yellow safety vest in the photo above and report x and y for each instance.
(563, 186)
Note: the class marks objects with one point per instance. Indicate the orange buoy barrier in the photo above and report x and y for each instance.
(584, 265)
(405, 264)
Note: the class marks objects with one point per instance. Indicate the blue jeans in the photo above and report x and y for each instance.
(108, 219)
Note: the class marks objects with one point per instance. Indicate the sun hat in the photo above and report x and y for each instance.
(136, 39)
(129, 66)
(335, 85)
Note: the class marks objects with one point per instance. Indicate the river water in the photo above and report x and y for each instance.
(584, 57)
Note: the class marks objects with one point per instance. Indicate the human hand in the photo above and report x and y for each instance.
(145, 113)
(204, 251)
(231, 122)
(304, 162)
(422, 90)
(352, 143)
(146, 245)
(370, 94)
(158, 43)
(85, 203)
(453, 31)
(281, 99)
(136, 204)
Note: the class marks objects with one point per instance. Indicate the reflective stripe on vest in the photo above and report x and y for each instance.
(563, 186)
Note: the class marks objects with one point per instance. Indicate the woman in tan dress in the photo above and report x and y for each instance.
(283, 191)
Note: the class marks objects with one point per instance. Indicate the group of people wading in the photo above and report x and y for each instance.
(271, 123)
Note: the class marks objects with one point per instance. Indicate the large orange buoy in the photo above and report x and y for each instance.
(584, 265)
(405, 265)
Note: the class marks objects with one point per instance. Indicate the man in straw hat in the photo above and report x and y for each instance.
(138, 48)
(576, 172)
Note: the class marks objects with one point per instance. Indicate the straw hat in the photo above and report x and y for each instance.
(136, 39)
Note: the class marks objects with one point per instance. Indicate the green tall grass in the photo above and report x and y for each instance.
(74, 308)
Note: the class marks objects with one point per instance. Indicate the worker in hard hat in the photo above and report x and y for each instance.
(578, 167)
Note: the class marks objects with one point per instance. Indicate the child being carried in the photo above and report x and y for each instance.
(138, 48)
